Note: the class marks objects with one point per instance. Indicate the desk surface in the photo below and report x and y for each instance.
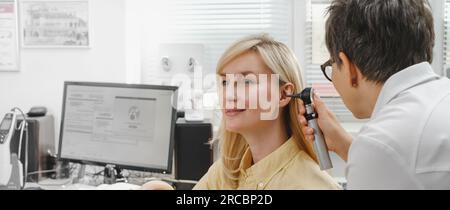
(66, 184)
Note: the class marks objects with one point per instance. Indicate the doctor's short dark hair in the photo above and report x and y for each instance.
(381, 37)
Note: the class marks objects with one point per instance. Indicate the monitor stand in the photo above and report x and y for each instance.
(113, 174)
(81, 173)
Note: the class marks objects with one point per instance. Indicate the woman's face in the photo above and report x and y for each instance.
(242, 111)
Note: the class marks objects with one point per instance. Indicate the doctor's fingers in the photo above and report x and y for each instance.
(301, 114)
(309, 138)
(301, 107)
(320, 106)
(302, 120)
(307, 131)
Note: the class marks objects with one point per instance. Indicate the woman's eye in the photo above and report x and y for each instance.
(224, 83)
(249, 82)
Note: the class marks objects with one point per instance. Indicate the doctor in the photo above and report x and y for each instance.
(381, 52)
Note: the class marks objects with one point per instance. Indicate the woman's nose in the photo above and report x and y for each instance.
(230, 93)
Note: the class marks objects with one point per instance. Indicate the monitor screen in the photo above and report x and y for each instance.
(129, 126)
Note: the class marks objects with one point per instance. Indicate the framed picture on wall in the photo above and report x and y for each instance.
(55, 24)
(9, 41)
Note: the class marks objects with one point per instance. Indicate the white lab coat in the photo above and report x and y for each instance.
(406, 143)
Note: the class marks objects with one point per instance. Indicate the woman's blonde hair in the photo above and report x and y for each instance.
(282, 61)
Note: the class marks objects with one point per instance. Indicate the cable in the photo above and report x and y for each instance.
(25, 177)
(21, 127)
(42, 172)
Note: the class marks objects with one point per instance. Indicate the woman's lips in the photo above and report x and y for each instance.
(233, 112)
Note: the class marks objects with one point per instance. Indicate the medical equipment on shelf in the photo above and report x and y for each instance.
(11, 169)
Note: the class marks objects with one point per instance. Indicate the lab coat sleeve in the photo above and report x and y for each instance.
(373, 165)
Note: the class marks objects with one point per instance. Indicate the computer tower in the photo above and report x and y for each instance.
(41, 146)
(193, 152)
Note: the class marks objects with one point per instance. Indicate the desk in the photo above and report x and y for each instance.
(66, 184)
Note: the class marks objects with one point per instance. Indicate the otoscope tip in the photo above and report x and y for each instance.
(294, 96)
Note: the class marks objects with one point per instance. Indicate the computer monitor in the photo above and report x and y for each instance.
(127, 126)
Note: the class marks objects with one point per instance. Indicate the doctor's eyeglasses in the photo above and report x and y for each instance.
(327, 69)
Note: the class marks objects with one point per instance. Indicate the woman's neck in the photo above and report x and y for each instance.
(266, 139)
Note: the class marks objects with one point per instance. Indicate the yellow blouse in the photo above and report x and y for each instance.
(287, 168)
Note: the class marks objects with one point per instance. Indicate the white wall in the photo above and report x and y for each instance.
(43, 71)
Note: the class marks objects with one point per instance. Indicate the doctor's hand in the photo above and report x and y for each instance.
(156, 185)
(337, 139)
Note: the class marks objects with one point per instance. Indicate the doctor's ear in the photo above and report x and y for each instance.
(350, 69)
(285, 90)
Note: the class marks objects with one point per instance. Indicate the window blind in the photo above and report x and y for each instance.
(215, 24)
(446, 47)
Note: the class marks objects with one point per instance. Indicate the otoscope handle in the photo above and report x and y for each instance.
(320, 146)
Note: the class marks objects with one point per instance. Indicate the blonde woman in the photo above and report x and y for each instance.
(261, 154)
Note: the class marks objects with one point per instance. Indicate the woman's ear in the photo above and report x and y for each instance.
(350, 70)
(285, 90)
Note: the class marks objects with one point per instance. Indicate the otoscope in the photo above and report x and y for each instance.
(311, 116)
